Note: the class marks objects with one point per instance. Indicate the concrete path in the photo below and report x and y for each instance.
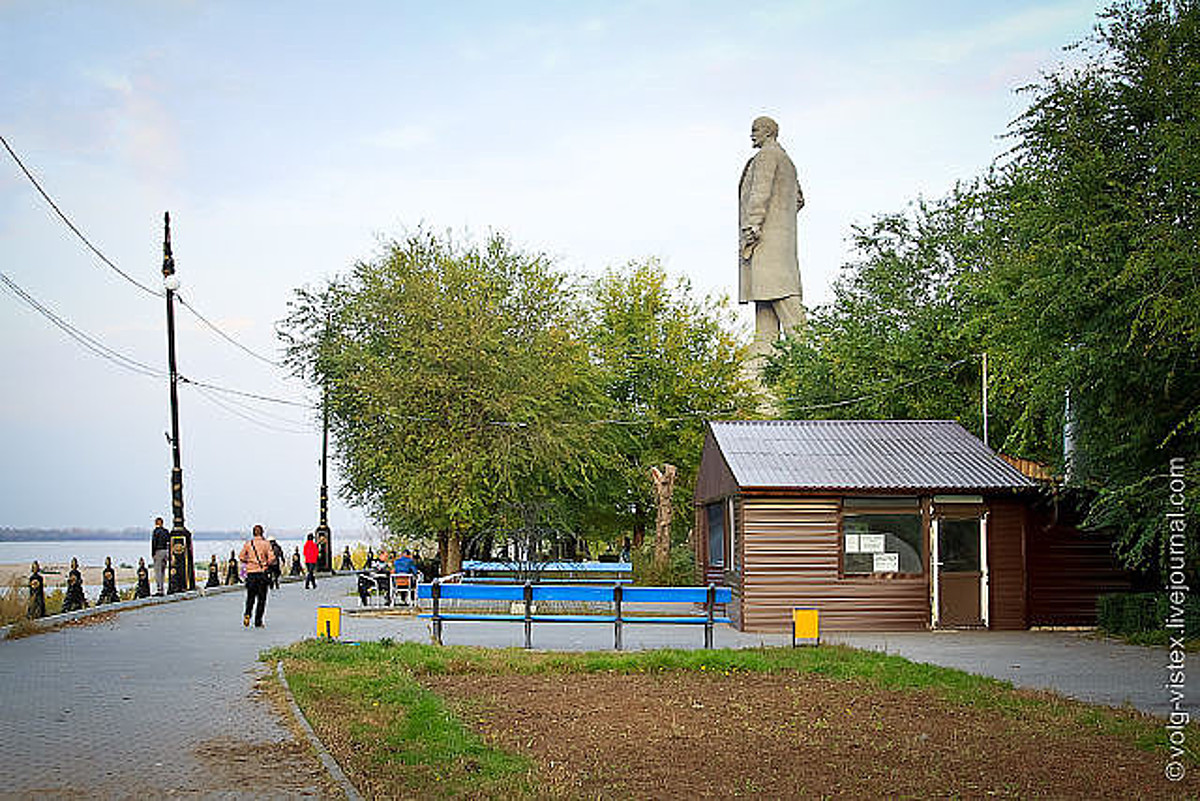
(161, 701)
(1075, 664)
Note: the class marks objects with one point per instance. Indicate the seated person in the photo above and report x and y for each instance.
(405, 564)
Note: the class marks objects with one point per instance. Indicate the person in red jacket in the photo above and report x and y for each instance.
(311, 554)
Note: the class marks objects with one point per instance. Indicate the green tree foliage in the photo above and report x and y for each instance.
(901, 338)
(456, 386)
(1099, 290)
(1073, 263)
(668, 361)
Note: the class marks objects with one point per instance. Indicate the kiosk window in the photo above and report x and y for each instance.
(882, 535)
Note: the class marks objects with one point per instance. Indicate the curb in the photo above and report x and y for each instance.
(331, 765)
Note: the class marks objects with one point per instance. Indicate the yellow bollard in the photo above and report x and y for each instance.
(806, 626)
(329, 622)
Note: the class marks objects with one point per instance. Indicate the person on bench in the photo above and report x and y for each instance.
(405, 576)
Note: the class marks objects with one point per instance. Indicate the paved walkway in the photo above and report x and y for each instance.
(161, 700)
(1076, 664)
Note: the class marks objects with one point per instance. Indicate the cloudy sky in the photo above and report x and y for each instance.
(287, 138)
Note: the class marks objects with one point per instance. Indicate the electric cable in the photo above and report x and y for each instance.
(107, 261)
(112, 265)
(224, 335)
(89, 342)
(881, 393)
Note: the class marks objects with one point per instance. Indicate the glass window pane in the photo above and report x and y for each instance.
(716, 533)
(958, 545)
(880, 543)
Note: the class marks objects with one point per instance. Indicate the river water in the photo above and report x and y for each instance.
(91, 553)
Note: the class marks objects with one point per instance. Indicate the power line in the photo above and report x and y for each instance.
(72, 226)
(881, 393)
(244, 394)
(89, 342)
(109, 262)
(224, 335)
(232, 408)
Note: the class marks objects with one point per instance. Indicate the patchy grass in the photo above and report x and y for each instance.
(373, 706)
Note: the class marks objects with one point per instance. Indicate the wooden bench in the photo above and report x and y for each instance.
(616, 594)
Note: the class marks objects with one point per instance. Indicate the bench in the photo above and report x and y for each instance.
(479, 571)
(616, 594)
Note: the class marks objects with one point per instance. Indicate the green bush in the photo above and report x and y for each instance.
(1131, 613)
(680, 570)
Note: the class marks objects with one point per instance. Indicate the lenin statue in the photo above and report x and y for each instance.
(769, 197)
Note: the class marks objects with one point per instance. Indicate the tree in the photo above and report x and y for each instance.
(455, 383)
(1097, 289)
(902, 337)
(667, 362)
(1072, 263)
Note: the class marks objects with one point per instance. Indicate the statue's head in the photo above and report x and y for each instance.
(762, 129)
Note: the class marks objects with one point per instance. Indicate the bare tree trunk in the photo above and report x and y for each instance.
(664, 486)
(453, 551)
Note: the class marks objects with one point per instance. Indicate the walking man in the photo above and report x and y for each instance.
(311, 554)
(258, 557)
(160, 552)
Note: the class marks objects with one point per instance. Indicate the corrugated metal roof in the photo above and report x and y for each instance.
(862, 455)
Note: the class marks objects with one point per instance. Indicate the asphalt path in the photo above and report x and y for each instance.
(162, 700)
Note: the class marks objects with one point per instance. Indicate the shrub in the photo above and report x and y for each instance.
(680, 570)
(1132, 613)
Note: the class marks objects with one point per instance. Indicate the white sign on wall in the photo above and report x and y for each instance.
(886, 562)
(852, 543)
(870, 543)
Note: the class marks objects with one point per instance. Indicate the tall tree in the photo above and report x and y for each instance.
(455, 383)
(668, 362)
(1072, 263)
(1097, 290)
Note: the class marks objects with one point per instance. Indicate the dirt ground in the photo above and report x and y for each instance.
(680, 735)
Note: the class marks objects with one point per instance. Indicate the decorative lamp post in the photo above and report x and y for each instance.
(324, 535)
(182, 572)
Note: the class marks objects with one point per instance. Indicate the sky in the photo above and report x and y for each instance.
(288, 139)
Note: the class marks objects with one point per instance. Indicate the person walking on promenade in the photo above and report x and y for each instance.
(74, 598)
(108, 584)
(231, 570)
(347, 562)
(37, 593)
(277, 565)
(160, 552)
(258, 557)
(143, 580)
(295, 569)
(311, 554)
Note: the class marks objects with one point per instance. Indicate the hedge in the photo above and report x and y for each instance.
(1143, 612)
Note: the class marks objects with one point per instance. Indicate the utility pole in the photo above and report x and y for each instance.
(182, 572)
(324, 535)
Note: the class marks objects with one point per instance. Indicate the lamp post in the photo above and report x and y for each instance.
(324, 535)
(182, 573)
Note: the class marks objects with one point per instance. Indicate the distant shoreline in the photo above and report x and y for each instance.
(78, 535)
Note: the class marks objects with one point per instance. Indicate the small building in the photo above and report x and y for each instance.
(879, 524)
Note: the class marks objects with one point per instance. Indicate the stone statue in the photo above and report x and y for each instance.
(769, 197)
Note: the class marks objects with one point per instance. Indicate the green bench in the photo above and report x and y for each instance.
(618, 595)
